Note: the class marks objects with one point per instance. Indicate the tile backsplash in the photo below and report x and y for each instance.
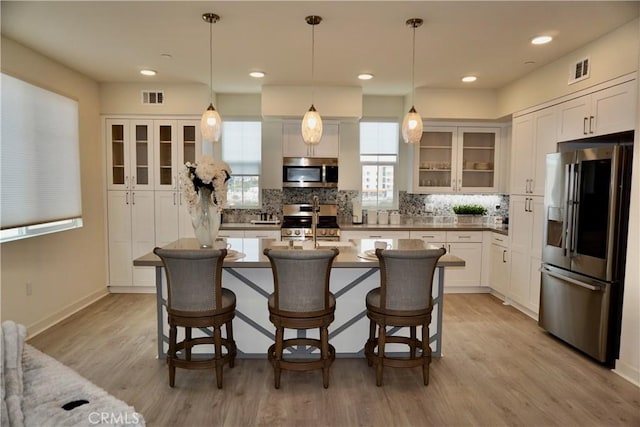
(410, 205)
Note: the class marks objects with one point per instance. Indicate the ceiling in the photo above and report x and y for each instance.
(110, 41)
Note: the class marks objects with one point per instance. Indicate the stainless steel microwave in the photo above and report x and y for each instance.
(309, 172)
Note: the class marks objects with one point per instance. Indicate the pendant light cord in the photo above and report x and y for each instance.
(413, 67)
(313, 49)
(211, 62)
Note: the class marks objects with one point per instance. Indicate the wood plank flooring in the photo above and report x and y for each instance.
(498, 369)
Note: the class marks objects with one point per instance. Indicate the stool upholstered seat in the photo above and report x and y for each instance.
(301, 300)
(402, 300)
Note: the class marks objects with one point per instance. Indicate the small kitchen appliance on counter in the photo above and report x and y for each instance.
(356, 208)
(297, 223)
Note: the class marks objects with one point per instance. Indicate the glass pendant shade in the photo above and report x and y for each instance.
(412, 127)
(311, 127)
(211, 125)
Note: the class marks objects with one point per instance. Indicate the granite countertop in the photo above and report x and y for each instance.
(248, 252)
(498, 228)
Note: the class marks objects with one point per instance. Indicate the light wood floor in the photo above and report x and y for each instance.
(498, 368)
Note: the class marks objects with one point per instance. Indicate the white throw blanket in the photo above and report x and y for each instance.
(12, 342)
(39, 391)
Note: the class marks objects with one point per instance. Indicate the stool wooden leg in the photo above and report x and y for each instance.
(382, 335)
(370, 343)
(278, 356)
(187, 343)
(229, 328)
(324, 351)
(172, 354)
(413, 348)
(217, 342)
(426, 354)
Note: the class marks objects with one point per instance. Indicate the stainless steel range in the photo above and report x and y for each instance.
(297, 222)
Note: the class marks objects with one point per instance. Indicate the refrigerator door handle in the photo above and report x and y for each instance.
(568, 210)
(575, 176)
(570, 280)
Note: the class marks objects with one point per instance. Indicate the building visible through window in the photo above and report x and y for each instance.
(241, 149)
(378, 158)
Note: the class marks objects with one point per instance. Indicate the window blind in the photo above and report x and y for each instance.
(241, 146)
(39, 156)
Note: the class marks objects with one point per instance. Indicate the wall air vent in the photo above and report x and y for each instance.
(580, 70)
(152, 97)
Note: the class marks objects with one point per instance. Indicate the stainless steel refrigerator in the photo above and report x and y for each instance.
(586, 204)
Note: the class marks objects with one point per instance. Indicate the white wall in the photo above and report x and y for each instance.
(179, 98)
(67, 270)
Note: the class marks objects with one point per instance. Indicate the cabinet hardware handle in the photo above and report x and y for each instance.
(464, 237)
(126, 198)
(584, 126)
(133, 198)
(174, 199)
(531, 186)
(428, 237)
(133, 182)
(126, 181)
(499, 240)
(503, 254)
(449, 249)
(591, 124)
(375, 237)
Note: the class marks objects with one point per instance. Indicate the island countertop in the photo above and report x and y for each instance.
(248, 252)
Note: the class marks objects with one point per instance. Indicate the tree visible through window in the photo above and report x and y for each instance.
(241, 149)
(378, 157)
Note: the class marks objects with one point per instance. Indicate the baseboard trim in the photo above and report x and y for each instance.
(628, 372)
(49, 321)
(466, 289)
(132, 289)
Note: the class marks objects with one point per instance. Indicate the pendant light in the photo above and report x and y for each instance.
(412, 123)
(311, 122)
(211, 124)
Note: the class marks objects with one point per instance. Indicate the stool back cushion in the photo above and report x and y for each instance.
(301, 278)
(407, 277)
(193, 278)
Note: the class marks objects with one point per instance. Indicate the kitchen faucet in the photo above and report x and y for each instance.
(314, 220)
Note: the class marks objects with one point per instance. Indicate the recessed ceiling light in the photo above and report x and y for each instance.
(541, 40)
(365, 76)
(469, 79)
(257, 74)
(148, 72)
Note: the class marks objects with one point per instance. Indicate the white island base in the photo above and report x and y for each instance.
(251, 279)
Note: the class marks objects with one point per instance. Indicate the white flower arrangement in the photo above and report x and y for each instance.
(205, 173)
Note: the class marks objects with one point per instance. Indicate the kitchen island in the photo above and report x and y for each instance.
(247, 272)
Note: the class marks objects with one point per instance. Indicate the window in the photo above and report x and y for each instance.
(242, 150)
(39, 196)
(378, 158)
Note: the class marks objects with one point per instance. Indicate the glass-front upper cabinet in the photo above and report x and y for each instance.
(456, 159)
(166, 159)
(129, 154)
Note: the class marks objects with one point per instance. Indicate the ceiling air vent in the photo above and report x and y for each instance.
(152, 97)
(580, 70)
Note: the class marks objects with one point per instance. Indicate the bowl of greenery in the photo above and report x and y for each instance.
(469, 214)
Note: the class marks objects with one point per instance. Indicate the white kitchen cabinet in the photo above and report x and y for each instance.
(525, 246)
(602, 112)
(464, 244)
(294, 146)
(533, 137)
(346, 235)
(130, 222)
(129, 146)
(500, 267)
(457, 159)
(166, 217)
(262, 234)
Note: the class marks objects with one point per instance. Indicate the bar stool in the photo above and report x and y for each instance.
(301, 300)
(402, 300)
(196, 299)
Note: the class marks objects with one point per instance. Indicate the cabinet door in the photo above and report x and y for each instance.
(520, 277)
(262, 234)
(166, 216)
(522, 140)
(292, 143)
(185, 228)
(329, 145)
(545, 131)
(189, 142)
(534, 284)
(142, 235)
(500, 269)
(117, 140)
(470, 274)
(573, 118)
(477, 159)
(119, 226)
(166, 157)
(435, 238)
(520, 224)
(613, 109)
(536, 208)
(434, 161)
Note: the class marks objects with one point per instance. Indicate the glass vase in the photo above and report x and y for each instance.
(205, 219)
